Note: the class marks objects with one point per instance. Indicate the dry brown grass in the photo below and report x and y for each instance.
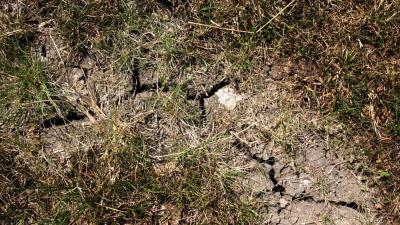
(351, 50)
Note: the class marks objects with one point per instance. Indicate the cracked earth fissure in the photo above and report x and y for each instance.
(351, 205)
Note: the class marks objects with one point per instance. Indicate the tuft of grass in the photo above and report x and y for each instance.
(326, 220)
(26, 93)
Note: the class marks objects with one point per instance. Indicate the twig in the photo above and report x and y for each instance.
(220, 28)
(279, 13)
(357, 178)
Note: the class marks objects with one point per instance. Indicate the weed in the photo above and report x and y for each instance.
(323, 187)
(326, 220)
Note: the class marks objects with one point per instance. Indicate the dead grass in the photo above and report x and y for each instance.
(352, 46)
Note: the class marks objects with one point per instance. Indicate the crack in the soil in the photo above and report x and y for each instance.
(270, 161)
(207, 94)
(135, 76)
(202, 110)
(60, 121)
(210, 92)
(351, 204)
(138, 87)
(278, 188)
(308, 198)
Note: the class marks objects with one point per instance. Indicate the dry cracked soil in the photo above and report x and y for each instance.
(297, 162)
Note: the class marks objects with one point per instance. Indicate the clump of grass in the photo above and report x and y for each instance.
(25, 91)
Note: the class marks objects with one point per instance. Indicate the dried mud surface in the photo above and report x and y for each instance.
(289, 163)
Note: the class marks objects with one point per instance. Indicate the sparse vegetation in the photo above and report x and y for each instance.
(76, 63)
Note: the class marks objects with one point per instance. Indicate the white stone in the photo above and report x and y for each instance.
(228, 98)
